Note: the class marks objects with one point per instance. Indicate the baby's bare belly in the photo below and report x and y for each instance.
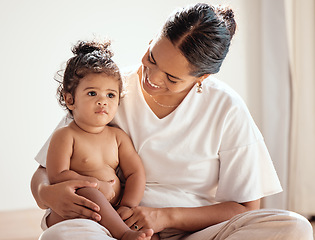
(106, 175)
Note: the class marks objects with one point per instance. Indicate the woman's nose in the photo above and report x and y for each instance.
(155, 77)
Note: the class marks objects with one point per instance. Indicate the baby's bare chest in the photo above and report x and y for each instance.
(94, 155)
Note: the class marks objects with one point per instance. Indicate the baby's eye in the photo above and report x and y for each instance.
(110, 95)
(92, 93)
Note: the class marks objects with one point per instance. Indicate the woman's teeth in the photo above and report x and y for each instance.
(152, 84)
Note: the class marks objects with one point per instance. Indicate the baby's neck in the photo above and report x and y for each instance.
(88, 128)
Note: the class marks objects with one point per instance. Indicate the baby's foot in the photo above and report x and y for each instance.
(144, 234)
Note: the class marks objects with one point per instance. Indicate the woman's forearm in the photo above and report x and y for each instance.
(194, 219)
(39, 180)
(62, 197)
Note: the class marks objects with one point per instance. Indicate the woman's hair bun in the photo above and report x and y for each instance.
(86, 47)
(227, 15)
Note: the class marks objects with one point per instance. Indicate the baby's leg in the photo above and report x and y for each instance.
(138, 235)
(110, 218)
(53, 218)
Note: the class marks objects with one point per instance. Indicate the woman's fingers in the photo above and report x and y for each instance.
(84, 202)
(80, 184)
(145, 217)
(66, 203)
(130, 219)
(86, 208)
(82, 212)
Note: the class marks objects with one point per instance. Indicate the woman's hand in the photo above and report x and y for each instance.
(145, 217)
(62, 199)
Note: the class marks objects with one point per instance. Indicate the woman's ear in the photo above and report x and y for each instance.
(203, 77)
(200, 80)
(69, 101)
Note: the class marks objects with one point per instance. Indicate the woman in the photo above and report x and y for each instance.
(206, 163)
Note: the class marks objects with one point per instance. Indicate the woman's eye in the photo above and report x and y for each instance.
(92, 93)
(110, 95)
(150, 59)
(171, 81)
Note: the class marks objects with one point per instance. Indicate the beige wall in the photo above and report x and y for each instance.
(36, 37)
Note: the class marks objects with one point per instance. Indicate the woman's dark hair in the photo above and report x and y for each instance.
(203, 34)
(89, 57)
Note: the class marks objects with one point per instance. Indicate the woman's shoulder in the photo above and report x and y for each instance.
(130, 78)
(130, 69)
(130, 72)
(220, 91)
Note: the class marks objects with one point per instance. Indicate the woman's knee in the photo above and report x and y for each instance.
(286, 224)
(54, 232)
(78, 229)
(300, 228)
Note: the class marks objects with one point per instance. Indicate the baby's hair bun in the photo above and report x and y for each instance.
(86, 47)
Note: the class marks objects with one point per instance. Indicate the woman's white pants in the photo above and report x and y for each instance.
(255, 225)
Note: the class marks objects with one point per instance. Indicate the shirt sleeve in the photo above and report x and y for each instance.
(247, 174)
(246, 170)
(42, 154)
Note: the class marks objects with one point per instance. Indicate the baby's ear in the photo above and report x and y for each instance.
(69, 100)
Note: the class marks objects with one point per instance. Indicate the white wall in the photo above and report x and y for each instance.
(36, 37)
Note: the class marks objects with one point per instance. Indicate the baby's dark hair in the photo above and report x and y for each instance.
(203, 34)
(89, 57)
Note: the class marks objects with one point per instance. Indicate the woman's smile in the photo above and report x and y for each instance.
(152, 84)
(148, 85)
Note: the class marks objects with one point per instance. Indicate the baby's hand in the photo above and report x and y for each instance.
(121, 210)
(107, 189)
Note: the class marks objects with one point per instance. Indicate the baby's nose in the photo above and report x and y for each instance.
(101, 103)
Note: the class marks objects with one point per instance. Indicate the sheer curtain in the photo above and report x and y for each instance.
(301, 37)
(287, 97)
(275, 93)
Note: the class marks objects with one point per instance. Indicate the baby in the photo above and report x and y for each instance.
(89, 149)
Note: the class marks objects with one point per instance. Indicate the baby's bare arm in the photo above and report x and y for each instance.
(133, 171)
(67, 175)
(59, 156)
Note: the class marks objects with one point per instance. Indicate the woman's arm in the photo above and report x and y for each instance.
(186, 219)
(38, 182)
(62, 198)
(193, 219)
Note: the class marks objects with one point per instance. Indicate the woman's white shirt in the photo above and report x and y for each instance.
(208, 150)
